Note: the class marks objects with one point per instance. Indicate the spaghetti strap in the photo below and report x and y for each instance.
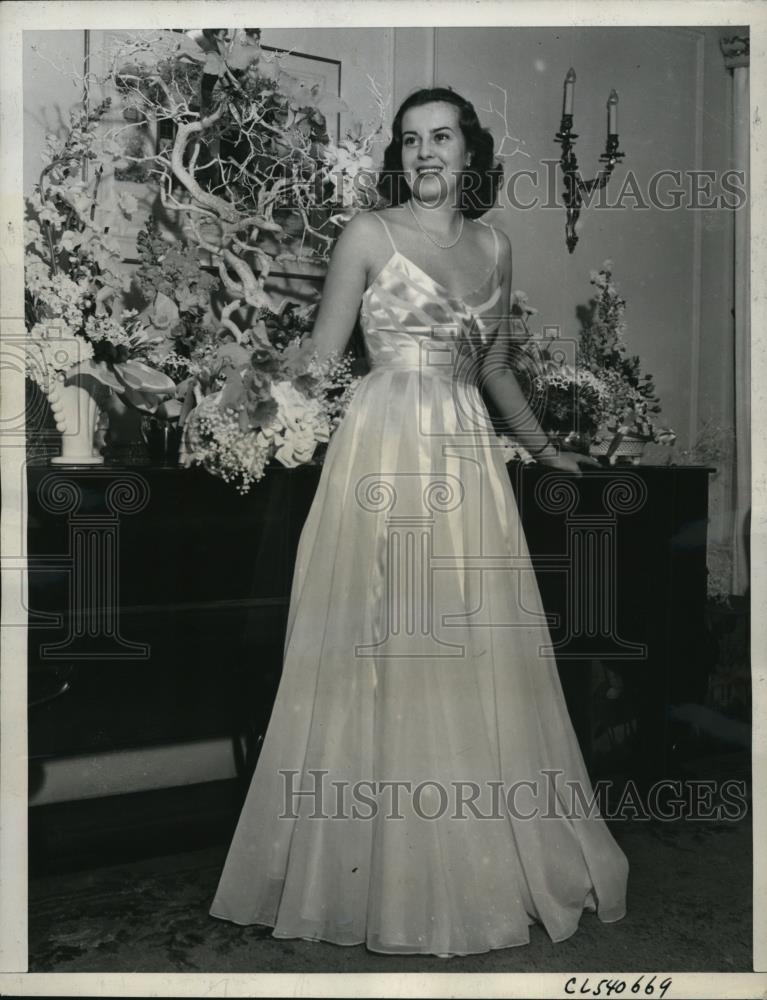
(388, 233)
(494, 231)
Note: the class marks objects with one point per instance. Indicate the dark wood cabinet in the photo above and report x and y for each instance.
(158, 597)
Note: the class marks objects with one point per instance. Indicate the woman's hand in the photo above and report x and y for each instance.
(567, 461)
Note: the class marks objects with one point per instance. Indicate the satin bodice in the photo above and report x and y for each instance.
(410, 320)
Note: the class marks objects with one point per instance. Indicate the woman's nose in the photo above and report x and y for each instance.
(425, 150)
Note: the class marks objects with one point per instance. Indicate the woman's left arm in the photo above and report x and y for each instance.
(502, 386)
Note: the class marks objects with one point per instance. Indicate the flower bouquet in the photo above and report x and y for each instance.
(254, 401)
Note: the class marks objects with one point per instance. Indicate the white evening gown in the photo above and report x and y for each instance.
(416, 652)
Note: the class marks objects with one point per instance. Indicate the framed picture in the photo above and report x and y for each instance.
(317, 73)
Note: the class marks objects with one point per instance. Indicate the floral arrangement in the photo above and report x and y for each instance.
(248, 160)
(77, 323)
(599, 397)
(248, 179)
(633, 401)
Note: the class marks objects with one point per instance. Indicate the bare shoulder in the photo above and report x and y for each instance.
(355, 247)
(363, 234)
(359, 229)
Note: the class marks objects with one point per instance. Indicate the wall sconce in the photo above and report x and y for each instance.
(575, 187)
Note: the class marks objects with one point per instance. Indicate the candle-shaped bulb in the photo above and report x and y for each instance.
(567, 107)
(612, 113)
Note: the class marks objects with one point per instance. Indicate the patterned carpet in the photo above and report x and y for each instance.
(689, 909)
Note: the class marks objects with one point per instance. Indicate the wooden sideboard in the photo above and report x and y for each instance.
(158, 597)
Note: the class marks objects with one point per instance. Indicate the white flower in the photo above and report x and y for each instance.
(127, 203)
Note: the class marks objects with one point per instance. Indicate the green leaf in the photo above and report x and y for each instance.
(233, 392)
(146, 403)
(139, 376)
(161, 317)
(100, 371)
(170, 409)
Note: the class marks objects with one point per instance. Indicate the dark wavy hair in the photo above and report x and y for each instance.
(479, 192)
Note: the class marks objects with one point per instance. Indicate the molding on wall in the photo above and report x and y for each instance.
(433, 48)
(697, 243)
(391, 68)
(727, 394)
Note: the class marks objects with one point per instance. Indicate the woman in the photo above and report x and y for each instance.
(417, 698)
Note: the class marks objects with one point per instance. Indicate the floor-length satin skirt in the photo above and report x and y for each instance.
(416, 679)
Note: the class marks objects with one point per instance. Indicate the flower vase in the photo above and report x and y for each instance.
(76, 407)
(162, 439)
(125, 443)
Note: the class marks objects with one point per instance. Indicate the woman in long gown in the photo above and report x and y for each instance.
(411, 791)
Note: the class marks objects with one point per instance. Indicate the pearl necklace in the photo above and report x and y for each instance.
(427, 234)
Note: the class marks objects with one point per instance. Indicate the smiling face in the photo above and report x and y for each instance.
(434, 151)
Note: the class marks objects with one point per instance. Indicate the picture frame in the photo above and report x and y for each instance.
(313, 71)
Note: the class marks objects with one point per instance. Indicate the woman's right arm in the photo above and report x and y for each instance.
(344, 286)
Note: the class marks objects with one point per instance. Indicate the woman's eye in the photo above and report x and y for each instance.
(442, 137)
(409, 140)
